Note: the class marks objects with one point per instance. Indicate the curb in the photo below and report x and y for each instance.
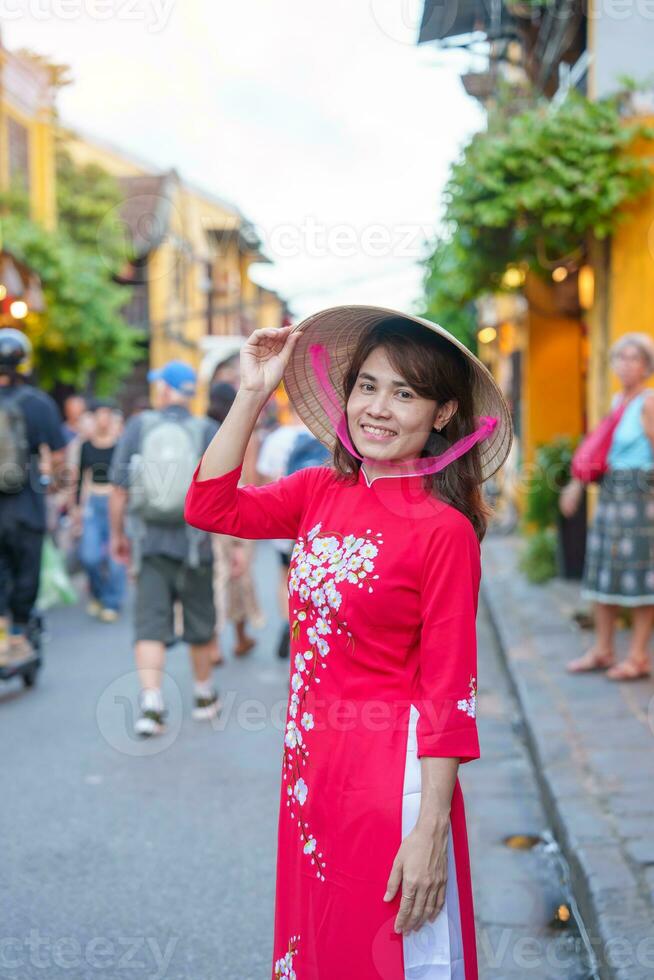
(614, 911)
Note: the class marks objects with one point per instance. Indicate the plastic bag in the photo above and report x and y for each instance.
(55, 587)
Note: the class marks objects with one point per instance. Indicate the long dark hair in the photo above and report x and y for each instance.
(435, 369)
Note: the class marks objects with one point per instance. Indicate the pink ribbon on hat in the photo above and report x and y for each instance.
(421, 466)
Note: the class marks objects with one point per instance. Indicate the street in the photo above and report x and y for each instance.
(158, 857)
(434, 264)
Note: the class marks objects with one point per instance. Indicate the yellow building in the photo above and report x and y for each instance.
(188, 258)
(27, 171)
(27, 158)
(624, 291)
(556, 366)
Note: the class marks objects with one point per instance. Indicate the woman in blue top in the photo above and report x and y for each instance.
(619, 564)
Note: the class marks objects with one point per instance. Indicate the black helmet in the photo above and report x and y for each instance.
(15, 348)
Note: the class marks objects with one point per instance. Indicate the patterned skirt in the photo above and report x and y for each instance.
(619, 562)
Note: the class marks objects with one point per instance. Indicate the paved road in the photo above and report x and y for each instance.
(123, 859)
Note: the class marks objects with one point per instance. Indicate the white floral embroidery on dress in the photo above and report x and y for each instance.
(469, 704)
(284, 966)
(316, 566)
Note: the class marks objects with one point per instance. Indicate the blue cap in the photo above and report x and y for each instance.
(177, 374)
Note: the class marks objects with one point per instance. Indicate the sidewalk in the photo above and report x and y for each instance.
(592, 743)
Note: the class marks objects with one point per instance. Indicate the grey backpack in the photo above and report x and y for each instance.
(161, 473)
(14, 444)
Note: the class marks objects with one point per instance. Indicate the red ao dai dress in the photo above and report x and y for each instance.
(383, 591)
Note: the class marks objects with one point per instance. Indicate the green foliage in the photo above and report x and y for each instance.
(81, 333)
(530, 189)
(460, 321)
(81, 330)
(15, 200)
(538, 557)
(549, 476)
(88, 201)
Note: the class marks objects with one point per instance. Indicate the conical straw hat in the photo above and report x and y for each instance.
(339, 330)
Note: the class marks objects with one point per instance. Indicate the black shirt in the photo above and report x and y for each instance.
(43, 424)
(97, 459)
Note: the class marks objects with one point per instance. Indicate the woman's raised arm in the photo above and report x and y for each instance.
(264, 357)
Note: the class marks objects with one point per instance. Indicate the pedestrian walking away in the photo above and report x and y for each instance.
(29, 421)
(107, 577)
(373, 875)
(172, 563)
(619, 560)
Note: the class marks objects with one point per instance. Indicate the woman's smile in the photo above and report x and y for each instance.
(386, 415)
(377, 433)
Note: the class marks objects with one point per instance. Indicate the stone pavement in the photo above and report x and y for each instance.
(591, 742)
(516, 890)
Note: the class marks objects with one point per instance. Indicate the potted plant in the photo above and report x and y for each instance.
(551, 474)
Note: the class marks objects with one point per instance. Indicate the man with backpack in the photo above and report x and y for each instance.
(29, 420)
(151, 470)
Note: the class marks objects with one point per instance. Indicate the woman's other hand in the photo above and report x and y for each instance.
(120, 549)
(571, 497)
(420, 867)
(264, 357)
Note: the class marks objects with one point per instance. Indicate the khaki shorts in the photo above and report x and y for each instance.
(161, 582)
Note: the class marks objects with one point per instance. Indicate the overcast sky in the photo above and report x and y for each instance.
(323, 122)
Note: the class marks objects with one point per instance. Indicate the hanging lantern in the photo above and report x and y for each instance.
(586, 287)
(19, 309)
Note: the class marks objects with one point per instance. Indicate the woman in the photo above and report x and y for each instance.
(373, 877)
(234, 592)
(107, 579)
(619, 564)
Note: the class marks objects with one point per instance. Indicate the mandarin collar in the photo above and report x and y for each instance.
(405, 497)
(391, 481)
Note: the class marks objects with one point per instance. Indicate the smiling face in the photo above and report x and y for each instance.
(387, 419)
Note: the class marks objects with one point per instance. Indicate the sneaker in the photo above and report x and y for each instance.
(152, 720)
(206, 708)
(108, 615)
(93, 607)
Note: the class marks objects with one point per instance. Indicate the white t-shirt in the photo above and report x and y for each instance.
(276, 449)
(272, 462)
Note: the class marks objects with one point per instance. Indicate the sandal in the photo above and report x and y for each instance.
(590, 661)
(629, 670)
(244, 646)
